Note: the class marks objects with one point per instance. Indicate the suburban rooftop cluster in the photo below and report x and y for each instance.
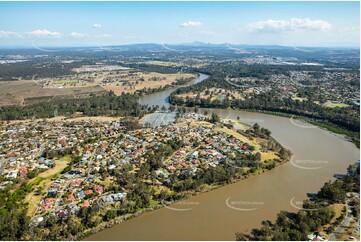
(40, 147)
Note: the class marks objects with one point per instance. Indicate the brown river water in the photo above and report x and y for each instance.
(239, 207)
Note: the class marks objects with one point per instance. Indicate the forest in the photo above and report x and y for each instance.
(39, 68)
(104, 105)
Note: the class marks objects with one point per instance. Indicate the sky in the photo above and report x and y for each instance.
(321, 24)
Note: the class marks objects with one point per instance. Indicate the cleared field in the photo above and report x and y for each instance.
(59, 166)
(214, 94)
(95, 118)
(162, 63)
(268, 155)
(337, 208)
(158, 119)
(66, 81)
(59, 118)
(335, 105)
(256, 143)
(44, 180)
(33, 201)
(140, 80)
(99, 68)
(172, 64)
(240, 137)
(20, 92)
(301, 99)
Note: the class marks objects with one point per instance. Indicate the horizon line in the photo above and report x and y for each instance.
(175, 44)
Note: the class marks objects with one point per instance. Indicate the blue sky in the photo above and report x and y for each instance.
(112, 23)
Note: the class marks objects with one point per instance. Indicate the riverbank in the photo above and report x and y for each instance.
(176, 84)
(348, 134)
(189, 194)
(352, 136)
(286, 180)
(242, 174)
(161, 98)
(326, 213)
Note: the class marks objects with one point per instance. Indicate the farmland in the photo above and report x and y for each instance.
(131, 82)
(25, 91)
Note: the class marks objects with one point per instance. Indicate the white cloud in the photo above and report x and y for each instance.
(191, 24)
(78, 35)
(289, 25)
(44, 33)
(9, 34)
(97, 26)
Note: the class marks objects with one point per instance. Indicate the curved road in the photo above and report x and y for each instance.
(344, 223)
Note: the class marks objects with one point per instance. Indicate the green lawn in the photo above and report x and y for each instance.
(45, 179)
(35, 182)
(335, 105)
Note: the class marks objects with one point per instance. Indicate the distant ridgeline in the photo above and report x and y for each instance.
(104, 105)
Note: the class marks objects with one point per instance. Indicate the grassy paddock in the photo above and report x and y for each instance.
(335, 105)
(35, 182)
(44, 179)
(67, 81)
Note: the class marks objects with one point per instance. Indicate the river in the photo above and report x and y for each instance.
(161, 98)
(218, 214)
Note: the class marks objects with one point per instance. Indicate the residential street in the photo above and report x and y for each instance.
(344, 223)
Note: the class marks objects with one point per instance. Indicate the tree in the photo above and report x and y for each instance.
(256, 128)
(215, 118)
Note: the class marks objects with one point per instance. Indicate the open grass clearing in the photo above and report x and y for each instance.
(44, 180)
(334, 105)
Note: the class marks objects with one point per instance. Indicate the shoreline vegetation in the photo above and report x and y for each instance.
(349, 135)
(320, 215)
(121, 219)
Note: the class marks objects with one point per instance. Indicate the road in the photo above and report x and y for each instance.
(344, 223)
(340, 227)
(2, 166)
(234, 84)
